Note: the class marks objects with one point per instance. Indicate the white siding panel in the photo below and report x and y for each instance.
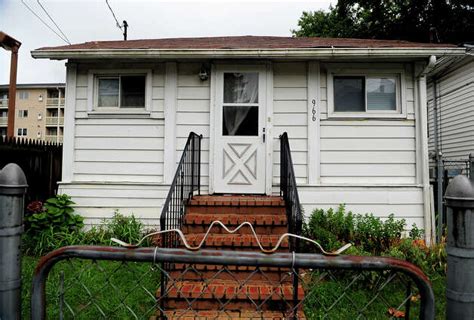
(119, 168)
(193, 105)
(193, 93)
(369, 144)
(289, 94)
(367, 170)
(297, 106)
(135, 156)
(192, 118)
(366, 157)
(367, 132)
(118, 143)
(147, 131)
(455, 112)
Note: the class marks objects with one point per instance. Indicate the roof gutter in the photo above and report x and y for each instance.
(244, 53)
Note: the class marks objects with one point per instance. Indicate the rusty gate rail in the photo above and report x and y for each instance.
(226, 258)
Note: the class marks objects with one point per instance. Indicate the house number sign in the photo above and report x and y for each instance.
(313, 103)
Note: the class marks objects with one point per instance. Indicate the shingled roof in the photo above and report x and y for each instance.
(245, 42)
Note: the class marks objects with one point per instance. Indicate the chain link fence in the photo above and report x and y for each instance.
(117, 283)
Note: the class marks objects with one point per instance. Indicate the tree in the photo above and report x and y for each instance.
(450, 21)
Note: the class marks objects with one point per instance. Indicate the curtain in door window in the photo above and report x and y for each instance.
(238, 88)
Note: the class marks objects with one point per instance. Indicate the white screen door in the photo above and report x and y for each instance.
(239, 151)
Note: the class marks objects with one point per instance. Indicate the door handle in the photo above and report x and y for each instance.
(263, 135)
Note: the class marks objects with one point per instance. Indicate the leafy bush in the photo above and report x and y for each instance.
(128, 229)
(334, 228)
(372, 236)
(56, 214)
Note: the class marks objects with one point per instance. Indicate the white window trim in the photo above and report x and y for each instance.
(368, 71)
(92, 87)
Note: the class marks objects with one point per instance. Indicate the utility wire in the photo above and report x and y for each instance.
(112, 11)
(44, 22)
(51, 18)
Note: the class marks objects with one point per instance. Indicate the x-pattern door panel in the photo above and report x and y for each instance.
(239, 164)
(239, 156)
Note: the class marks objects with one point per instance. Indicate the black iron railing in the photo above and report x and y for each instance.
(289, 192)
(294, 215)
(186, 181)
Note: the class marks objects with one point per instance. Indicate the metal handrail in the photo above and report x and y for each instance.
(186, 181)
(289, 192)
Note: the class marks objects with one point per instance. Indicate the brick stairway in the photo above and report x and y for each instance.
(224, 296)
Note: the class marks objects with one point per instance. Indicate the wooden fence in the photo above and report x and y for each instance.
(41, 161)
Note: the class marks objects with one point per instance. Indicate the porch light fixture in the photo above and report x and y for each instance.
(204, 72)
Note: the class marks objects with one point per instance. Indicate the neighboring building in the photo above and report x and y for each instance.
(355, 111)
(39, 111)
(453, 80)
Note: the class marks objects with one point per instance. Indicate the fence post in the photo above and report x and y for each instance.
(460, 249)
(12, 196)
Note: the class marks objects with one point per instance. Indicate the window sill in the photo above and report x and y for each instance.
(116, 113)
(350, 115)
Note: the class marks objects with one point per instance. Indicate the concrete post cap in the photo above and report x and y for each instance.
(12, 179)
(460, 188)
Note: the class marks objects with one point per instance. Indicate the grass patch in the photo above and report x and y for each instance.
(102, 289)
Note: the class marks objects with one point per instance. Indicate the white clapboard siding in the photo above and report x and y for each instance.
(455, 92)
(290, 115)
(108, 149)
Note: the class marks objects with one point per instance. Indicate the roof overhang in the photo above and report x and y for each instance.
(312, 53)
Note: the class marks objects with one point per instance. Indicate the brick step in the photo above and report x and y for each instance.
(248, 210)
(243, 274)
(259, 230)
(256, 219)
(236, 241)
(232, 291)
(237, 201)
(185, 314)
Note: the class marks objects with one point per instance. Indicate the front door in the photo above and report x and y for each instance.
(240, 138)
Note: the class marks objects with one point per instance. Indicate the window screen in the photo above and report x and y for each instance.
(381, 94)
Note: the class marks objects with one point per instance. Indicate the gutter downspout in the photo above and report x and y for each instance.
(428, 217)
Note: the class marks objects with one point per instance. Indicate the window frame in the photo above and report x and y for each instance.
(23, 113)
(368, 71)
(93, 91)
(24, 132)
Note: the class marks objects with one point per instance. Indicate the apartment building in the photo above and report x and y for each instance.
(39, 111)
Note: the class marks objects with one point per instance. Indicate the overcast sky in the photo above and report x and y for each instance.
(90, 20)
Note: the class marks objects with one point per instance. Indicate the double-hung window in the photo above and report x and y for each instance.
(121, 91)
(366, 93)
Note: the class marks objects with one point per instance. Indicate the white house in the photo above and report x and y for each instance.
(355, 111)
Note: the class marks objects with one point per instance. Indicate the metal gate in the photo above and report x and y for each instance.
(84, 282)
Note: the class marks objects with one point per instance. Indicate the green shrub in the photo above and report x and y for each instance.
(372, 236)
(334, 228)
(57, 213)
(128, 229)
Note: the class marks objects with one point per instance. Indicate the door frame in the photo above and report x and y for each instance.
(266, 68)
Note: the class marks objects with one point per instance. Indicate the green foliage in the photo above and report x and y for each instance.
(128, 229)
(56, 214)
(414, 20)
(334, 228)
(372, 236)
